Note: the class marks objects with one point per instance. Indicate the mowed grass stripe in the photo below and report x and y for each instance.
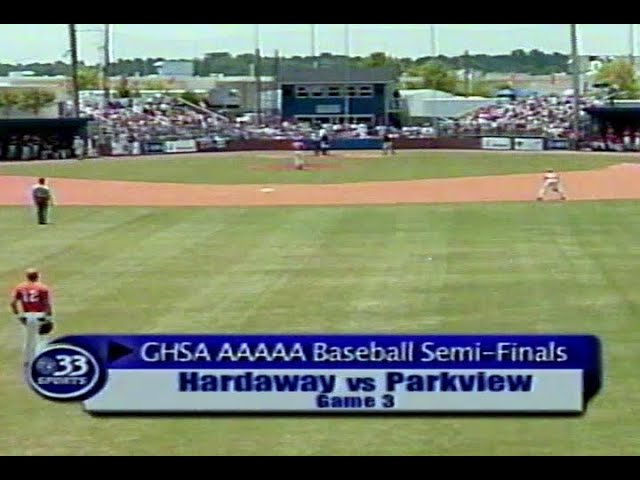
(255, 259)
(617, 258)
(25, 243)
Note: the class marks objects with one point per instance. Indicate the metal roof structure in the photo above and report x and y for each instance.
(338, 75)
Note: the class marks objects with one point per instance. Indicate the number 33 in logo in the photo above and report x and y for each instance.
(71, 365)
(65, 372)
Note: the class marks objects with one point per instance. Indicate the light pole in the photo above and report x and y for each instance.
(314, 53)
(347, 73)
(632, 44)
(576, 85)
(258, 74)
(107, 62)
(73, 41)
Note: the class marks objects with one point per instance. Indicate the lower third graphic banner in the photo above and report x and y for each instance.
(321, 373)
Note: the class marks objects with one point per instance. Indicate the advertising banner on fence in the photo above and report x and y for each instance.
(152, 148)
(320, 373)
(211, 144)
(119, 148)
(356, 144)
(530, 144)
(180, 146)
(558, 144)
(496, 143)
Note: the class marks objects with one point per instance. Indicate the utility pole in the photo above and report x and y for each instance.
(433, 40)
(347, 72)
(258, 73)
(467, 73)
(632, 44)
(314, 53)
(575, 62)
(73, 41)
(276, 80)
(107, 64)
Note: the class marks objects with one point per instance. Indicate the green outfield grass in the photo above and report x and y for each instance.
(258, 168)
(522, 267)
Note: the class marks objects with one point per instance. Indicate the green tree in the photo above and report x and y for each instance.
(191, 97)
(155, 84)
(482, 89)
(377, 59)
(437, 76)
(621, 75)
(123, 90)
(89, 78)
(9, 99)
(33, 100)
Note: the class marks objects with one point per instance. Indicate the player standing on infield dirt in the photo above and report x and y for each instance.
(42, 199)
(551, 182)
(35, 313)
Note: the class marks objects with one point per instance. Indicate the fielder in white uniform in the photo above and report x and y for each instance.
(551, 183)
(298, 159)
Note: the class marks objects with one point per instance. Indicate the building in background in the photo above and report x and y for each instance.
(425, 105)
(336, 95)
(175, 68)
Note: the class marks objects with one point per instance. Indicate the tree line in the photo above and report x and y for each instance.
(31, 100)
(534, 62)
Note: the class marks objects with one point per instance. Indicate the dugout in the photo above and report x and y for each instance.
(616, 118)
(58, 131)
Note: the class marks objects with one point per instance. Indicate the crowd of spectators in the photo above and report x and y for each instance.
(163, 118)
(158, 118)
(130, 122)
(548, 116)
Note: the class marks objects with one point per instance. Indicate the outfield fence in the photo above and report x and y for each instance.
(217, 144)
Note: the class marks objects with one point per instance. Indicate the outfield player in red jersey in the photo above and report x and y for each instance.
(31, 304)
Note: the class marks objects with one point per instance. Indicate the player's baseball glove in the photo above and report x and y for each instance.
(45, 327)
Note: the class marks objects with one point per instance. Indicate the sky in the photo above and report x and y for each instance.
(25, 43)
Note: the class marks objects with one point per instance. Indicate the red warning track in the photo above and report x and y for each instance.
(621, 182)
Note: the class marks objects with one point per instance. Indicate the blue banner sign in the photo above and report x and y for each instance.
(153, 148)
(321, 373)
(557, 144)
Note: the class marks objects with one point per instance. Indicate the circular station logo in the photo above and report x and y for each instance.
(64, 372)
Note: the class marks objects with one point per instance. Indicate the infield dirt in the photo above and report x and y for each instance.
(620, 182)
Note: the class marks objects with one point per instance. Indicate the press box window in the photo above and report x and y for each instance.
(365, 91)
(302, 92)
(333, 92)
(317, 92)
(351, 91)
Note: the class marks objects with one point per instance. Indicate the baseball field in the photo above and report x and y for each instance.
(421, 242)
